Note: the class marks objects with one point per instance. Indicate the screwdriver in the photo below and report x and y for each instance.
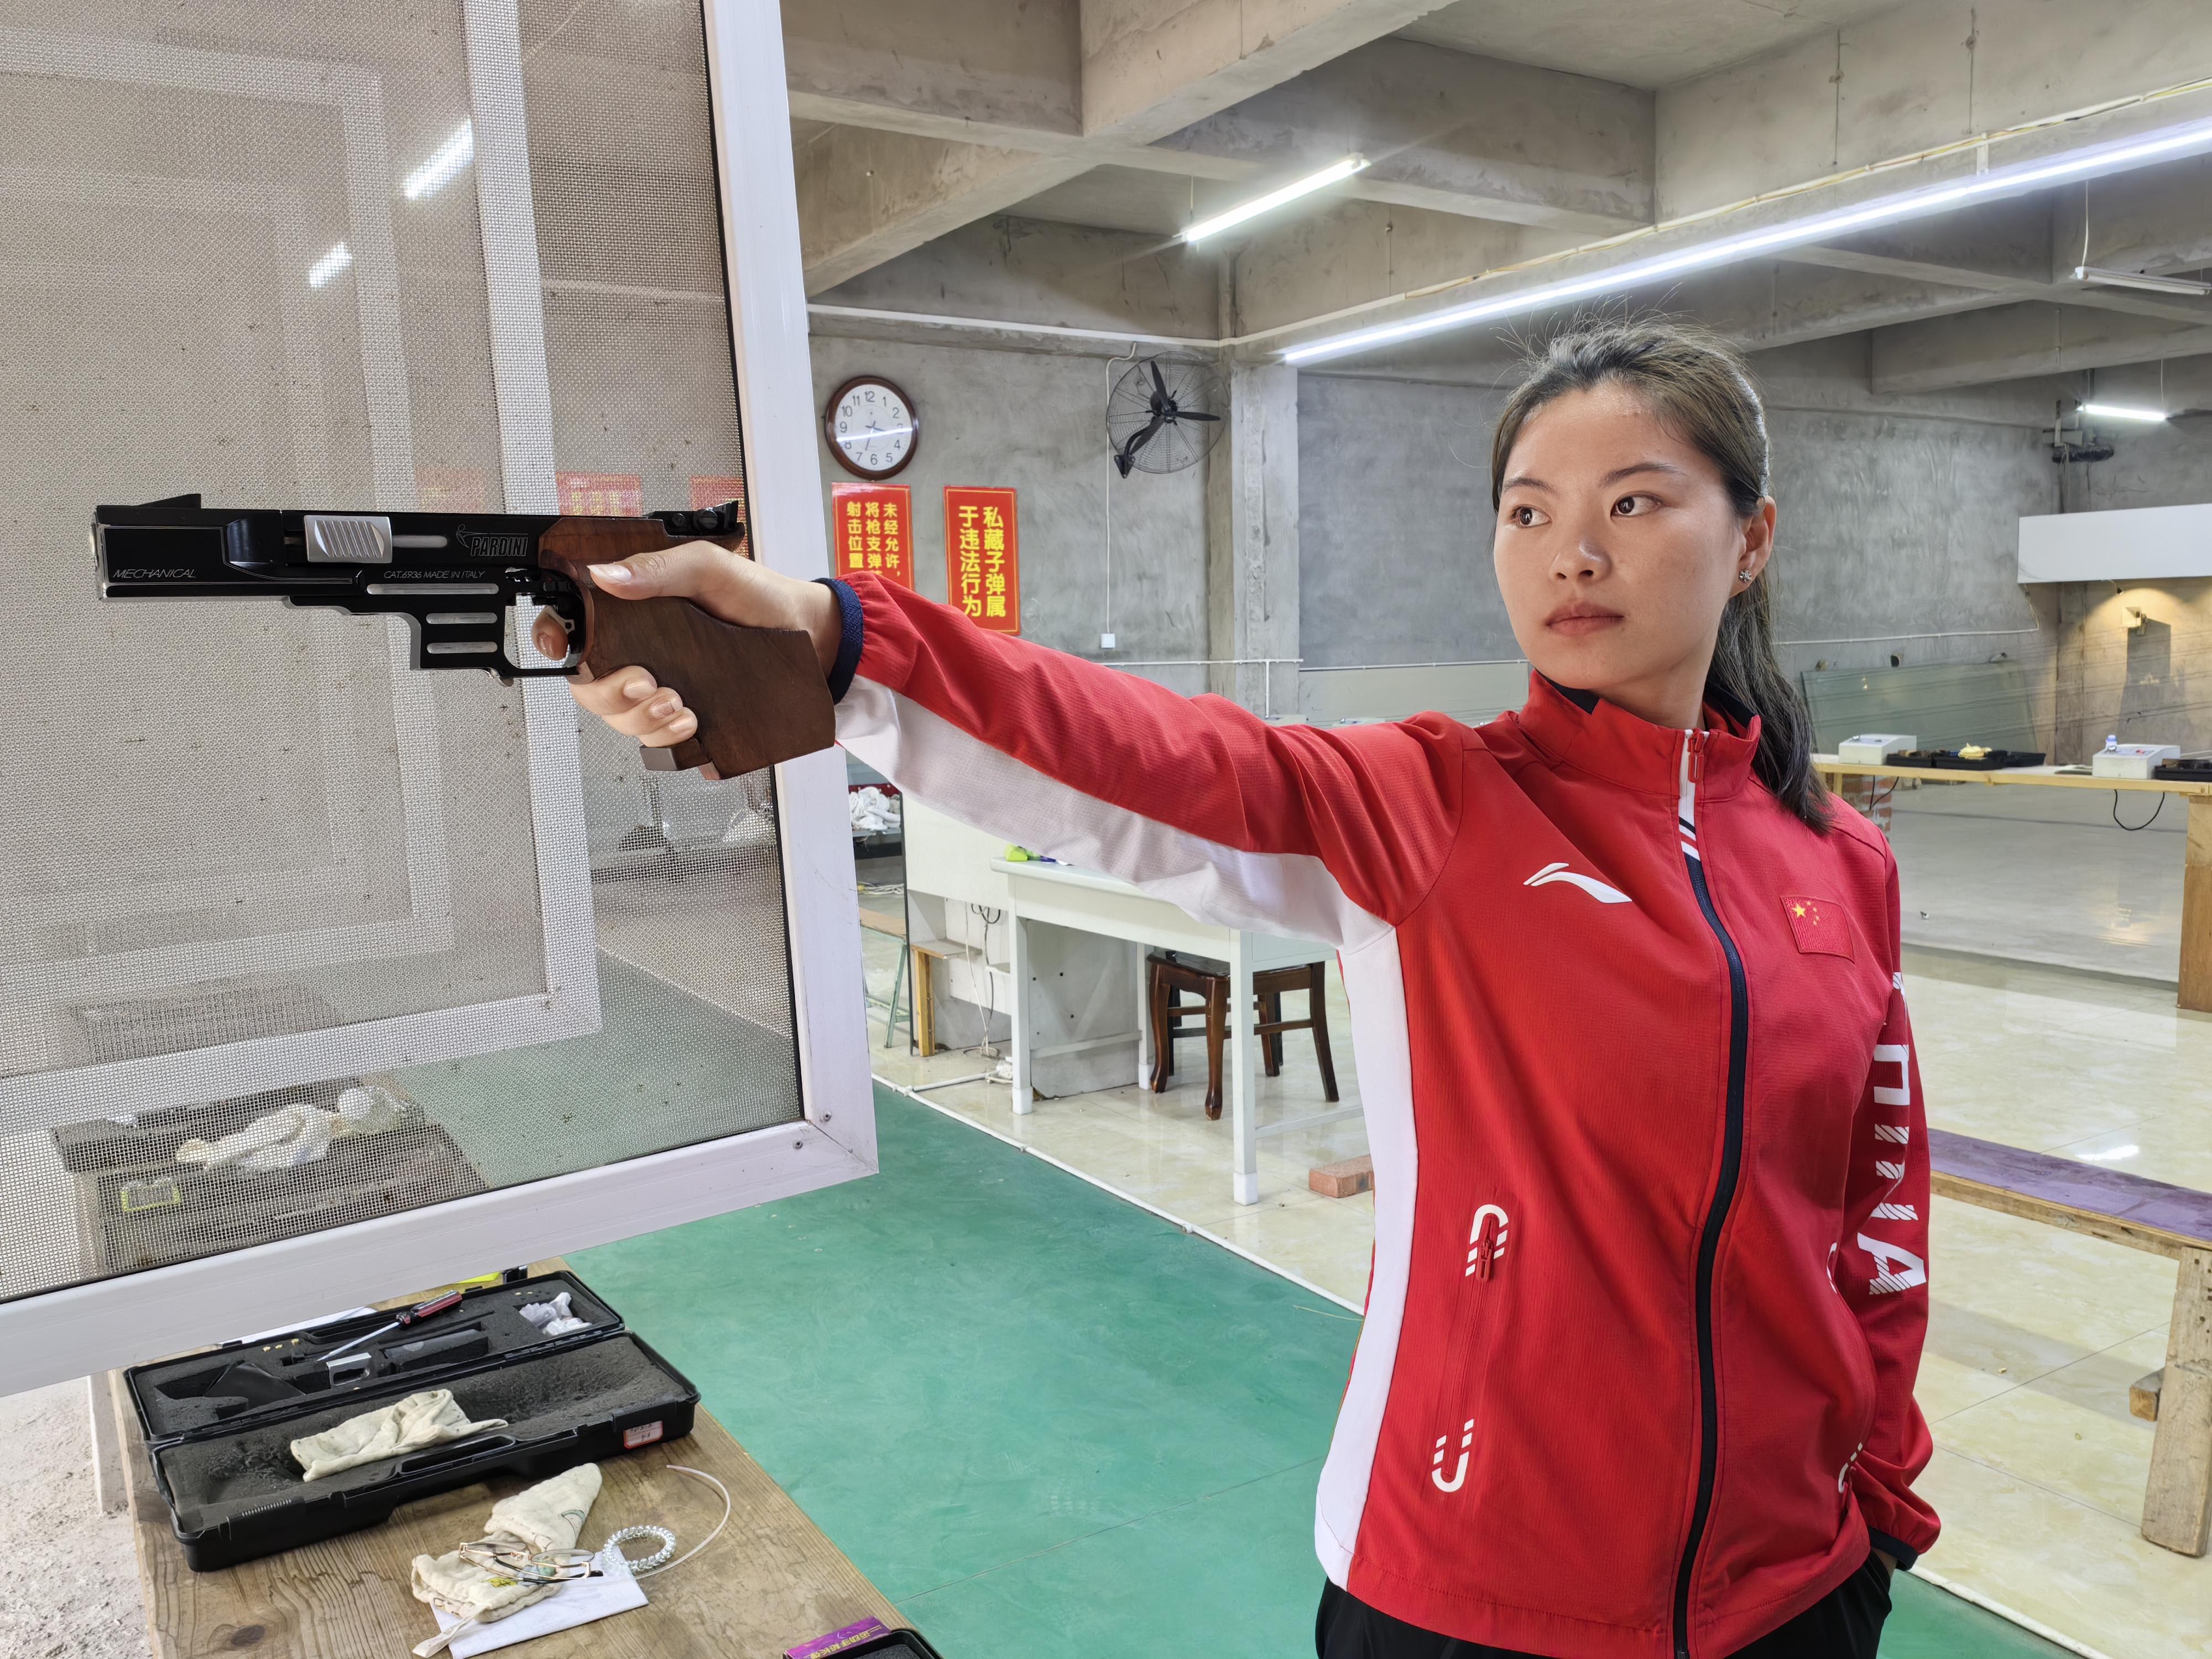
(436, 1304)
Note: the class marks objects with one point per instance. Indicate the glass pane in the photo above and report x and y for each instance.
(244, 254)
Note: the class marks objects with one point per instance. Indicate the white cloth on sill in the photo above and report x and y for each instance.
(298, 1134)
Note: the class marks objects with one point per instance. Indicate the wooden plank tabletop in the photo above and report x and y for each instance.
(2086, 1198)
(2036, 775)
(883, 921)
(771, 1580)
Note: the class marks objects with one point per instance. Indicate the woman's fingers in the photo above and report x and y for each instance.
(734, 589)
(714, 578)
(549, 636)
(656, 714)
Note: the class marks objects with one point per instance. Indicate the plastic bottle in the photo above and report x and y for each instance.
(2112, 743)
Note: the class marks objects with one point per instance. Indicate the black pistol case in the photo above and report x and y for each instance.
(219, 1423)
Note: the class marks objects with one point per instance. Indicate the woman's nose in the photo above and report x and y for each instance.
(1586, 561)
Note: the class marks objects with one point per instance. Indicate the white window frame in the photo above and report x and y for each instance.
(128, 1319)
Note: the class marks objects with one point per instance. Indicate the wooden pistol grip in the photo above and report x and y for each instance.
(760, 693)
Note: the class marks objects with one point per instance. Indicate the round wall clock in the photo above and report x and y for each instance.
(872, 427)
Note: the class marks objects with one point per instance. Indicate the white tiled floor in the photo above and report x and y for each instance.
(2034, 1334)
(2041, 874)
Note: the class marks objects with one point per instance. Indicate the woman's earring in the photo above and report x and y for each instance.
(1743, 575)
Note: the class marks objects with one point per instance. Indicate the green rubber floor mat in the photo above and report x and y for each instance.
(1042, 1420)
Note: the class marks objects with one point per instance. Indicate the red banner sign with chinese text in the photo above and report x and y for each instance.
(871, 529)
(982, 556)
(713, 492)
(601, 494)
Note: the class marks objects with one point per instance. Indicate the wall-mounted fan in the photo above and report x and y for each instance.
(1162, 416)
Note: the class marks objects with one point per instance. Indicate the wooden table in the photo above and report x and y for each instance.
(770, 1581)
(2195, 991)
(1062, 895)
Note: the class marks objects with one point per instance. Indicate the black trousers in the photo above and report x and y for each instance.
(1846, 1624)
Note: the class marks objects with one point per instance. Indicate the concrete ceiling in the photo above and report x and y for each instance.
(1649, 44)
(1029, 161)
(1131, 198)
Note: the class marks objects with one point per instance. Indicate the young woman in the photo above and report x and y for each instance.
(1650, 1168)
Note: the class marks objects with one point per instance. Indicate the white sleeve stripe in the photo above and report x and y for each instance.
(1899, 1132)
(1285, 894)
(1375, 984)
(1895, 1212)
(1894, 1171)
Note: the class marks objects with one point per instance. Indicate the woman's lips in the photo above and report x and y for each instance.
(1581, 619)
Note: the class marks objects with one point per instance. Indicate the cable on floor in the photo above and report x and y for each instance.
(2147, 822)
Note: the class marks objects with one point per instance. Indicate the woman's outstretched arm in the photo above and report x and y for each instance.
(1327, 834)
(1323, 834)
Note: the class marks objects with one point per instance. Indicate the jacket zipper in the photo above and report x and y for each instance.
(1709, 1240)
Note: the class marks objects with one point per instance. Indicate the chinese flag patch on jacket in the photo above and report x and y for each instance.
(1818, 926)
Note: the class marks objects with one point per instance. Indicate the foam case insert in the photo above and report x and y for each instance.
(219, 1424)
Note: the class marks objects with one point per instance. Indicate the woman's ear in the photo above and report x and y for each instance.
(1758, 542)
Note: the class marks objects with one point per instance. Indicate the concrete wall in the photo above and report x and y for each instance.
(1898, 520)
(2131, 658)
(1394, 522)
(1036, 422)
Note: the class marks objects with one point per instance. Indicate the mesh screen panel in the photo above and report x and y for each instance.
(292, 935)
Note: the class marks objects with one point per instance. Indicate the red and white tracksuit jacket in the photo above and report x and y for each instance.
(1650, 1167)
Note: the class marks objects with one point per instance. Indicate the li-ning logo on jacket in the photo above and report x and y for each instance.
(1437, 1460)
(1590, 884)
(1485, 1242)
(1485, 1249)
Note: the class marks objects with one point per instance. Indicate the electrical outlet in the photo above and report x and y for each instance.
(1105, 641)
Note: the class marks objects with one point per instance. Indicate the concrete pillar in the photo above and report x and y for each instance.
(1252, 542)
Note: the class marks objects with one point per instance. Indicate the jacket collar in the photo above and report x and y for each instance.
(1586, 732)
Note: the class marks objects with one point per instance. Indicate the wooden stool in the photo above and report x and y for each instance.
(1167, 978)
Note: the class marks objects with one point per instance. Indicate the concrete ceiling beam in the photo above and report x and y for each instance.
(2014, 343)
(867, 196)
(977, 71)
(1911, 79)
(1452, 134)
(1153, 67)
(2023, 252)
(1983, 270)
(1144, 69)
(2154, 222)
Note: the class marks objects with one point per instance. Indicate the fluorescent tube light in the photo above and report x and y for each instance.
(320, 273)
(1998, 182)
(1260, 204)
(2103, 278)
(438, 172)
(2121, 412)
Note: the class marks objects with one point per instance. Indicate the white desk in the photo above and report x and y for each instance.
(1064, 897)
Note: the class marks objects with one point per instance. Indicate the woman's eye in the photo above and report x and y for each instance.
(1628, 505)
(1526, 517)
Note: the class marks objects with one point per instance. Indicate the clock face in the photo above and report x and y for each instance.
(871, 428)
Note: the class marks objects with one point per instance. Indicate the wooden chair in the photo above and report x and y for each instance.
(1167, 978)
(2145, 1215)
